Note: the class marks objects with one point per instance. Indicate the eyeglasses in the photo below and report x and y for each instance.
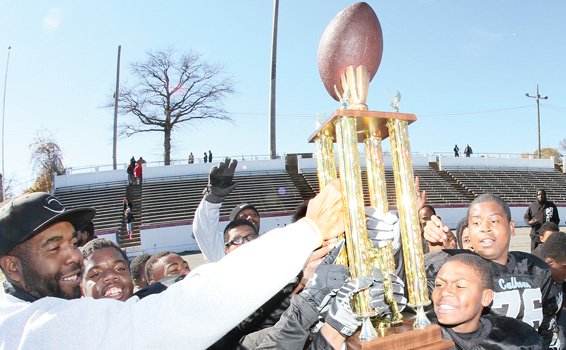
(241, 240)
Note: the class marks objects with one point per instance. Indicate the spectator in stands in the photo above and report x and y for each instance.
(86, 234)
(138, 172)
(137, 269)
(106, 273)
(129, 222)
(39, 257)
(130, 170)
(141, 161)
(520, 278)
(205, 158)
(539, 212)
(209, 156)
(165, 264)
(456, 151)
(463, 289)
(546, 230)
(126, 203)
(468, 151)
(191, 158)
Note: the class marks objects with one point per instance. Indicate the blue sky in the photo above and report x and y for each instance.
(463, 67)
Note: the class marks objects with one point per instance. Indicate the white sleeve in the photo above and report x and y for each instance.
(205, 229)
(193, 313)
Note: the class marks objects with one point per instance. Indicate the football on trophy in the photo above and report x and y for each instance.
(352, 38)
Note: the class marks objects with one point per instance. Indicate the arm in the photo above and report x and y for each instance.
(555, 217)
(203, 303)
(205, 229)
(205, 224)
(528, 216)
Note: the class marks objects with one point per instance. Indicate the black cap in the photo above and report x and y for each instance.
(234, 213)
(27, 215)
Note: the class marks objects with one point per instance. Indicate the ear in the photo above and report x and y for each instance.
(512, 227)
(487, 297)
(12, 268)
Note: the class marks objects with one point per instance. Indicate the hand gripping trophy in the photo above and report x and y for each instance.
(349, 55)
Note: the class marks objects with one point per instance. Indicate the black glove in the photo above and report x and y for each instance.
(340, 315)
(327, 278)
(220, 181)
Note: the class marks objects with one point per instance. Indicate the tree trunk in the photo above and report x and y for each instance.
(167, 145)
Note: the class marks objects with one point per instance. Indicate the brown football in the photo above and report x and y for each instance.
(352, 38)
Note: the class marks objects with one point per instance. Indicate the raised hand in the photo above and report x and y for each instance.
(220, 181)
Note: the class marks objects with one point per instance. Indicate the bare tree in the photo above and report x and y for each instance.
(170, 91)
(47, 160)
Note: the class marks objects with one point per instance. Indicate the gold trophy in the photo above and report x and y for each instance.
(349, 55)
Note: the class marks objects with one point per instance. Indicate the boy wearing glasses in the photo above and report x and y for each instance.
(238, 232)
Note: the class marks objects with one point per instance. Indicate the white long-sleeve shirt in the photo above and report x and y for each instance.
(191, 314)
(205, 229)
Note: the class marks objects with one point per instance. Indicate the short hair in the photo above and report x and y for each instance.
(555, 247)
(490, 197)
(429, 207)
(541, 190)
(548, 226)
(88, 228)
(236, 223)
(483, 267)
(300, 211)
(100, 243)
(136, 265)
(151, 262)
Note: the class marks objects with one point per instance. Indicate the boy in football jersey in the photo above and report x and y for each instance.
(463, 289)
(523, 288)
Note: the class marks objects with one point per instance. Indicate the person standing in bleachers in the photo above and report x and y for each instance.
(456, 151)
(138, 173)
(468, 151)
(539, 212)
(130, 170)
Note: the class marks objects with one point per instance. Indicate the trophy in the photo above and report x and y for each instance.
(349, 55)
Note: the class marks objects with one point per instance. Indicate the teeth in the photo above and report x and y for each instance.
(113, 292)
(72, 278)
(446, 307)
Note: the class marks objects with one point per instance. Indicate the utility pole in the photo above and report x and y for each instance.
(3, 119)
(538, 97)
(116, 99)
(272, 83)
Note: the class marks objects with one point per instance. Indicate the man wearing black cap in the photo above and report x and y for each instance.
(42, 265)
(38, 252)
(207, 216)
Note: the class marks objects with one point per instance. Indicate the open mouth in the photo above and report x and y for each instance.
(72, 278)
(114, 292)
(487, 242)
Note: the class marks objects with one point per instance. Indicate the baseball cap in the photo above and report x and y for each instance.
(25, 216)
(234, 213)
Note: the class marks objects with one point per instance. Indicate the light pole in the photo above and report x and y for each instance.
(538, 97)
(3, 118)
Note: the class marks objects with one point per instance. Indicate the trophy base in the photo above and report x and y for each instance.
(403, 336)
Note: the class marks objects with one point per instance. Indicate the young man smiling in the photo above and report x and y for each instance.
(522, 282)
(106, 273)
(463, 289)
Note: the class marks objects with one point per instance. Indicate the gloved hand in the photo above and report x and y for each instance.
(220, 181)
(377, 293)
(326, 279)
(383, 228)
(340, 315)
